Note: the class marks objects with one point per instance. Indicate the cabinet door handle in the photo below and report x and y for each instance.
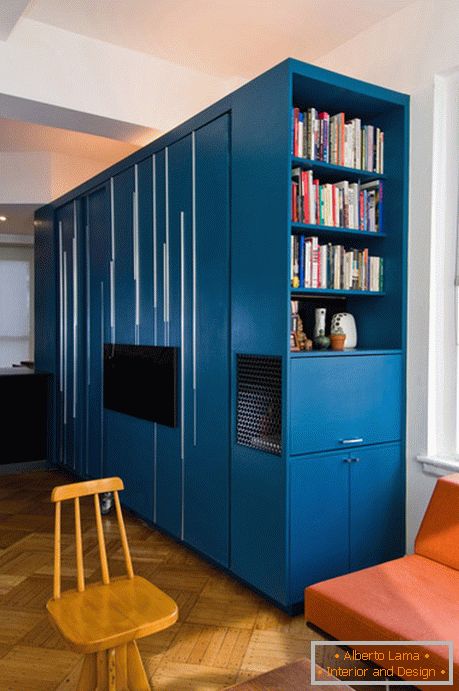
(356, 440)
(112, 261)
(347, 460)
(355, 460)
(194, 268)
(182, 365)
(61, 311)
(75, 319)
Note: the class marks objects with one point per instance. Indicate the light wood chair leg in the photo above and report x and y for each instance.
(137, 678)
(116, 669)
(88, 675)
(102, 671)
(121, 668)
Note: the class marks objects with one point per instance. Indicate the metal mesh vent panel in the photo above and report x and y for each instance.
(259, 403)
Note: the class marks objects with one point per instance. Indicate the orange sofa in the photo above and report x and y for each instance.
(414, 598)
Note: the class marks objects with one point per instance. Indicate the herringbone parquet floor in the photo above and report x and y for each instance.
(225, 633)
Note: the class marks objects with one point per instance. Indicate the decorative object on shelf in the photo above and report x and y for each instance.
(304, 343)
(294, 347)
(337, 339)
(320, 314)
(346, 322)
(322, 342)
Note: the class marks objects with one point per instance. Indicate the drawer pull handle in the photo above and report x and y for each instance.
(357, 440)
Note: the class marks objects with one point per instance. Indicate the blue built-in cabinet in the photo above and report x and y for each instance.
(284, 468)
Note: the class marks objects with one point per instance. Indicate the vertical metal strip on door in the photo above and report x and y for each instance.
(155, 323)
(88, 330)
(75, 328)
(194, 278)
(166, 251)
(182, 366)
(61, 344)
(65, 354)
(112, 263)
(102, 329)
(135, 234)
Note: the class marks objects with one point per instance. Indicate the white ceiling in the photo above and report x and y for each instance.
(26, 136)
(220, 37)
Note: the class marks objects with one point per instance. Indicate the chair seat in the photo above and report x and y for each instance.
(105, 616)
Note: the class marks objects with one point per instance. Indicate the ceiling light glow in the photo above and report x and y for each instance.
(3, 219)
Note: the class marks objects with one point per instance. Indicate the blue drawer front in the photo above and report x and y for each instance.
(335, 400)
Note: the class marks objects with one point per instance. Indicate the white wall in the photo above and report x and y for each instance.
(405, 52)
(36, 177)
(16, 338)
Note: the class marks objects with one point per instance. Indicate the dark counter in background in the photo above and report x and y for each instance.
(24, 396)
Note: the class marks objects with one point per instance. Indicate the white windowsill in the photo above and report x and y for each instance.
(439, 465)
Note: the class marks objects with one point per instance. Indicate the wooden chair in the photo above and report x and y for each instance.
(104, 619)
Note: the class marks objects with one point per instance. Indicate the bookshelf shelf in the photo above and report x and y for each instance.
(346, 353)
(302, 228)
(301, 292)
(334, 172)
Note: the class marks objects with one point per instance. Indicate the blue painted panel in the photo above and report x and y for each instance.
(130, 456)
(68, 440)
(338, 399)
(176, 185)
(124, 257)
(260, 172)
(46, 321)
(206, 503)
(377, 506)
(129, 441)
(319, 520)
(97, 327)
(145, 192)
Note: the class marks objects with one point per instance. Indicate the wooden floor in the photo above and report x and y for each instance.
(225, 633)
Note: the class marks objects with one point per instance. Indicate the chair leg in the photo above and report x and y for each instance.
(137, 678)
(88, 675)
(102, 671)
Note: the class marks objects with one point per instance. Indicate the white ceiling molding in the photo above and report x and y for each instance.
(15, 240)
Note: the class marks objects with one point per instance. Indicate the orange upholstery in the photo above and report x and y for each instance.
(438, 536)
(412, 598)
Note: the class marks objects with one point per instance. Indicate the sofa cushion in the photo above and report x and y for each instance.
(412, 598)
(438, 536)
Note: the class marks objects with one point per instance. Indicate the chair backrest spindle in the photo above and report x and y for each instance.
(124, 542)
(79, 547)
(75, 491)
(57, 552)
(101, 541)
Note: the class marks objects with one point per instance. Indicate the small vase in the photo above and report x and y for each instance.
(321, 341)
(320, 321)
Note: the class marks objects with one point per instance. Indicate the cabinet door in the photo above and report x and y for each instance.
(69, 408)
(344, 401)
(99, 288)
(174, 185)
(206, 463)
(377, 505)
(319, 520)
(129, 440)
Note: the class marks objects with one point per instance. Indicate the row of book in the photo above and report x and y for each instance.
(342, 204)
(333, 267)
(333, 139)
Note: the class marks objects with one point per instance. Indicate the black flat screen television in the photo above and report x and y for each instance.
(141, 381)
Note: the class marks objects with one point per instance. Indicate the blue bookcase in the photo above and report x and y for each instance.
(285, 467)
